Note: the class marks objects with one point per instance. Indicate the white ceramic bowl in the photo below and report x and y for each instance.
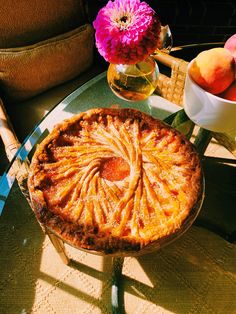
(207, 110)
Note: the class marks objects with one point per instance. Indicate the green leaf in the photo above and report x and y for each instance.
(180, 121)
(202, 140)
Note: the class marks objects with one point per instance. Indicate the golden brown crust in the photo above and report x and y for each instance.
(114, 180)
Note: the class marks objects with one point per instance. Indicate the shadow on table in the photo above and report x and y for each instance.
(186, 276)
(197, 272)
(21, 243)
(218, 212)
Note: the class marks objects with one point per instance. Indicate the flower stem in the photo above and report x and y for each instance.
(144, 75)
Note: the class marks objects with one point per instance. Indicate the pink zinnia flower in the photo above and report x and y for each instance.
(127, 31)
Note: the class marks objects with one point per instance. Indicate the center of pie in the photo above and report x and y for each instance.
(114, 169)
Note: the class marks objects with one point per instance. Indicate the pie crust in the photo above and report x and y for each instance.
(115, 181)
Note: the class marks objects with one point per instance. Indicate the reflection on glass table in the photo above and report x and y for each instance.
(200, 265)
(92, 95)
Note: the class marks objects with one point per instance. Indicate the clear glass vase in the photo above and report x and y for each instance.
(133, 82)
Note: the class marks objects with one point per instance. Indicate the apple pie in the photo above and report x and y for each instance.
(114, 180)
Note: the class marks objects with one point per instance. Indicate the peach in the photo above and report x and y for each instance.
(230, 92)
(230, 44)
(213, 70)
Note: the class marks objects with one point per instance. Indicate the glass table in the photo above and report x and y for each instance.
(196, 273)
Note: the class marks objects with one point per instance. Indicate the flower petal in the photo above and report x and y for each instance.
(127, 31)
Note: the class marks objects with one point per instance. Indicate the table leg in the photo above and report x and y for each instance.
(116, 301)
(59, 246)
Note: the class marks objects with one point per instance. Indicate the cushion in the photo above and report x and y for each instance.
(27, 22)
(27, 71)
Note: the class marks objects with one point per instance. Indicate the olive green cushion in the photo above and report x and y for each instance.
(30, 70)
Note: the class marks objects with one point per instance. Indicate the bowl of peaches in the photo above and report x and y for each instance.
(210, 88)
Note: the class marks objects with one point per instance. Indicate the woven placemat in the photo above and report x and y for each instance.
(195, 274)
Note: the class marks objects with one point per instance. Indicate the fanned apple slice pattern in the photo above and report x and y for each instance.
(127, 176)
